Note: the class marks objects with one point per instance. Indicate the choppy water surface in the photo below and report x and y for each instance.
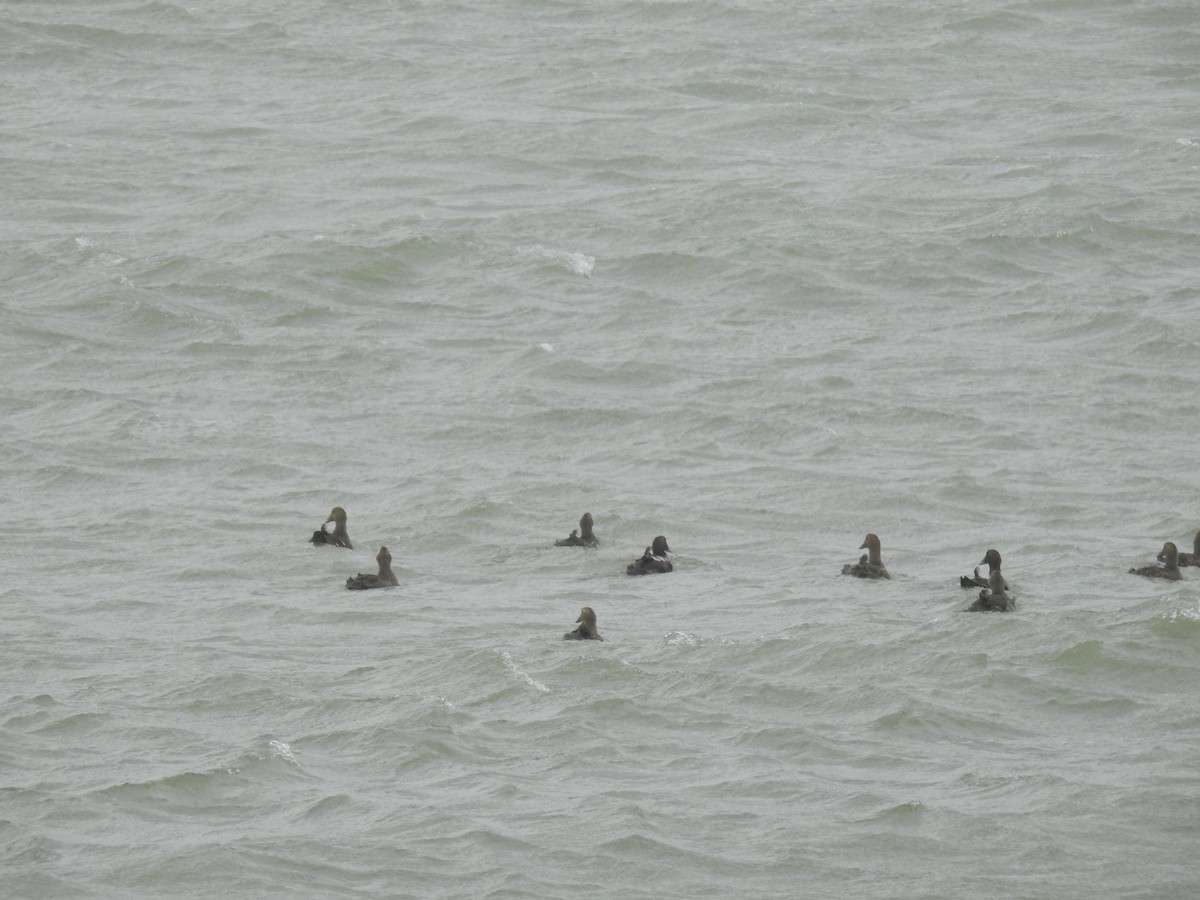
(761, 277)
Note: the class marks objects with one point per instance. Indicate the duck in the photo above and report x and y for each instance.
(587, 627)
(582, 536)
(1170, 567)
(992, 558)
(1193, 558)
(870, 564)
(994, 597)
(385, 578)
(336, 538)
(653, 561)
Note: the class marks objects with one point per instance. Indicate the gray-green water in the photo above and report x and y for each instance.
(758, 276)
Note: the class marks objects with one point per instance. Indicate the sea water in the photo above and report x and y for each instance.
(758, 276)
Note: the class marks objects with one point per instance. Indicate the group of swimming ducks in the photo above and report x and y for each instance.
(654, 561)
(993, 598)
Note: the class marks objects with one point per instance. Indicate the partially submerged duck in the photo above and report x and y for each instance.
(582, 536)
(587, 627)
(994, 597)
(869, 565)
(1170, 567)
(653, 561)
(385, 578)
(1193, 558)
(992, 558)
(336, 538)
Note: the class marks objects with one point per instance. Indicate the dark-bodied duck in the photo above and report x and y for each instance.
(385, 578)
(582, 536)
(992, 558)
(994, 597)
(587, 627)
(1170, 567)
(653, 561)
(1190, 559)
(336, 538)
(870, 565)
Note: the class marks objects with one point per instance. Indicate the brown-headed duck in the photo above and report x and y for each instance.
(336, 538)
(992, 558)
(1170, 567)
(871, 564)
(994, 597)
(1193, 558)
(587, 627)
(582, 536)
(385, 578)
(653, 561)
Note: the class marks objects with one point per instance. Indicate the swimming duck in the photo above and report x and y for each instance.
(1190, 559)
(1170, 567)
(587, 627)
(653, 561)
(336, 538)
(385, 578)
(870, 564)
(992, 558)
(582, 536)
(994, 597)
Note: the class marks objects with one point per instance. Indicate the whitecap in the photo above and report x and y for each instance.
(680, 638)
(578, 263)
(1176, 614)
(521, 673)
